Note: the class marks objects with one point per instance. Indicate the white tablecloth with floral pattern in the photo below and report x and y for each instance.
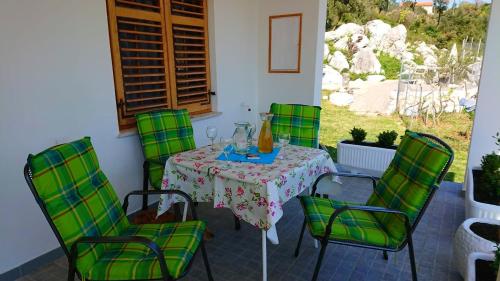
(254, 192)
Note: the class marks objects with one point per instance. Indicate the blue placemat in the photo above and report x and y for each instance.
(265, 158)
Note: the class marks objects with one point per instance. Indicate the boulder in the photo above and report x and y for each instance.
(365, 61)
(360, 41)
(376, 30)
(342, 43)
(453, 54)
(407, 56)
(394, 41)
(326, 51)
(339, 61)
(332, 79)
(343, 31)
(428, 53)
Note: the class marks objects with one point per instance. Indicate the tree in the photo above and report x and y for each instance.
(344, 11)
(440, 6)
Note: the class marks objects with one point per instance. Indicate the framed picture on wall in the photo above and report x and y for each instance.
(285, 42)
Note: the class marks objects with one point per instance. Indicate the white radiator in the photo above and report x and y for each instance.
(364, 157)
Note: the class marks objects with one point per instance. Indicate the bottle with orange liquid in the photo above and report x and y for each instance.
(266, 136)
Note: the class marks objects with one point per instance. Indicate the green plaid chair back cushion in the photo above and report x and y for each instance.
(162, 134)
(408, 181)
(78, 197)
(301, 121)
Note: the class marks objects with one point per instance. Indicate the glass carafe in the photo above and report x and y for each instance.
(240, 137)
(266, 136)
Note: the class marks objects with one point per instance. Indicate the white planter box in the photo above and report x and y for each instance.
(468, 247)
(364, 157)
(472, 264)
(475, 209)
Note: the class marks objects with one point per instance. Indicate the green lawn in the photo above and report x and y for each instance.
(454, 128)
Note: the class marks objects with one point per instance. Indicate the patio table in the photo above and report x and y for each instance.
(254, 192)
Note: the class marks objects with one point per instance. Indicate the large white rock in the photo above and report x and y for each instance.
(332, 79)
(360, 41)
(343, 31)
(454, 54)
(376, 30)
(428, 53)
(326, 51)
(339, 61)
(365, 61)
(407, 56)
(394, 41)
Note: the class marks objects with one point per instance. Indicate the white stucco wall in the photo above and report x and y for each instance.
(56, 85)
(487, 119)
(304, 87)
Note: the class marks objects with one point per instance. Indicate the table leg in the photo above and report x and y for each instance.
(185, 211)
(264, 255)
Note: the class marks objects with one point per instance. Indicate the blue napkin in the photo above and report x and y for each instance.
(265, 158)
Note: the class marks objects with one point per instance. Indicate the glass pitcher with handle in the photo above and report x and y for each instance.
(240, 137)
(266, 135)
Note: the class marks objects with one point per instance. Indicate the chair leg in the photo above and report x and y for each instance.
(145, 186)
(71, 270)
(237, 224)
(300, 238)
(177, 212)
(386, 257)
(320, 260)
(412, 258)
(205, 260)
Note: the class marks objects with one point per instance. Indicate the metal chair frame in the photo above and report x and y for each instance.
(325, 240)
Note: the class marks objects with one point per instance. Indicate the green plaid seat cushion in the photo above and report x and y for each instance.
(408, 181)
(162, 134)
(178, 241)
(78, 197)
(350, 226)
(300, 121)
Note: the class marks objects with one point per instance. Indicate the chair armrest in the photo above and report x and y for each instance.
(348, 175)
(120, 240)
(369, 209)
(159, 192)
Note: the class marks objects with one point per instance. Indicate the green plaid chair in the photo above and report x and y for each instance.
(392, 212)
(162, 134)
(83, 210)
(300, 121)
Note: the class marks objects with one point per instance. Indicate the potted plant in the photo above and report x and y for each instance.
(475, 249)
(483, 187)
(373, 156)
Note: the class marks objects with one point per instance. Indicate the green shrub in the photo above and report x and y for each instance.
(419, 59)
(358, 135)
(490, 179)
(387, 138)
(356, 76)
(390, 65)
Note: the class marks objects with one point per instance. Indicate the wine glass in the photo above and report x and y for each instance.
(284, 140)
(227, 148)
(211, 134)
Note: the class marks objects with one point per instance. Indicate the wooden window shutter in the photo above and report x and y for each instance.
(187, 26)
(138, 42)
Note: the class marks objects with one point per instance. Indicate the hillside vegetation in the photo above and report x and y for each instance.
(452, 25)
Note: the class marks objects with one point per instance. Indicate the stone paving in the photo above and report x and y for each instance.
(236, 255)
